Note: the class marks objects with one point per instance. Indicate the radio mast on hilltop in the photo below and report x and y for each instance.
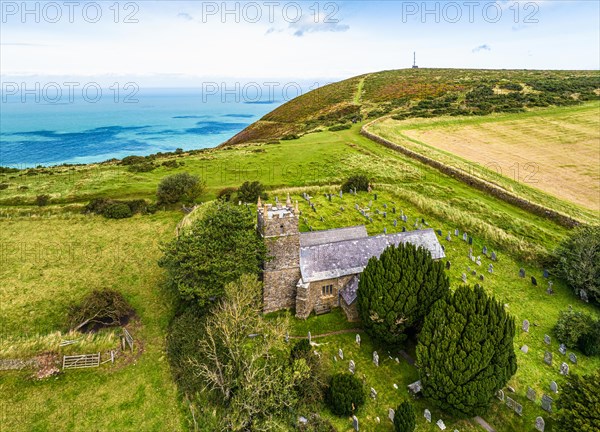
(414, 66)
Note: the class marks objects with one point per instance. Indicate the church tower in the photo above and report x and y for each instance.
(278, 226)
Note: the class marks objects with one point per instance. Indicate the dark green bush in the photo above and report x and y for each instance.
(182, 187)
(133, 160)
(100, 308)
(227, 193)
(340, 127)
(142, 167)
(579, 404)
(301, 349)
(405, 418)
(250, 191)
(42, 200)
(3, 186)
(117, 210)
(345, 394)
(170, 164)
(289, 137)
(571, 326)
(360, 182)
(511, 86)
(589, 343)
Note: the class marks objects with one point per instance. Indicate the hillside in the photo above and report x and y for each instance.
(422, 93)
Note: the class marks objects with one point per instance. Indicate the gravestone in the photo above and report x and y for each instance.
(494, 256)
(583, 295)
(526, 326)
(391, 414)
(341, 194)
(456, 233)
(547, 339)
(448, 265)
(481, 278)
(491, 268)
(287, 337)
(448, 238)
(395, 223)
(356, 206)
(375, 358)
(547, 403)
(500, 395)
(439, 232)
(385, 230)
(533, 281)
(464, 236)
(531, 394)
(329, 197)
(440, 424)
(355, 423)
(357, 339)
(510, 402)
(474, 273)
(427, 415)
(352, 366)
(478, 262)
(375, 197)
(373, 393)
(470, 240)
(484, 250)
(562, 348)
(525, 349)
(546, 274)
(564, 369)
(553, 387)
(309, 338)
(470, 252)
(341, 353)
(384, 205)
(394, 210)
(540, 424)
(550, 290)
(518, 409)
(415, 388)
(464, 278)
(522, 272)
(573, 358)
(548, 358)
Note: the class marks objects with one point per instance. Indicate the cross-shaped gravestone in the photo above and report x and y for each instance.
(391, 414)
(562, 348)
(526, 325)
(533, 281)
(553, 387)
(522, 272)
(357, 339)
(564, 369)
(375, 358)
(548, 358)
(547, 403)
(500, 395)
(352, 366)
(427, 415)
(547, 339)
(540, 424)
(573, 358)
(341, 353)
(531, 394)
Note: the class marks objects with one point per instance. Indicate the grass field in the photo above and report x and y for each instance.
(554, 151)
(52, 256)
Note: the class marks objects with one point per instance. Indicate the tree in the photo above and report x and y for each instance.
(465, 351)
(215, 250)
(345, 395)
(239, 360)
(179, 187)
(405, 418)
(397, 290)
(309, 388)
(359, 182)
(579, 403)
(571, 326)
(103, 308)
(250, 191)
(578, 261)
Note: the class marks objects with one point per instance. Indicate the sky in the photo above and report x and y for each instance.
(185, 44)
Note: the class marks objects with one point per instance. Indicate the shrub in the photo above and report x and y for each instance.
(23, 187)
(359, 182)
(578, 261)
(571, 326)
(396, 292)
(170, 164)
(579, 403)
(589, 343)
(301, 349)
(100, 308)
(137, 206)
(179, 187)
(133, 160)
(345, 394)
(42, 200)
(142, 167)
(250, 191)
(465, 351)
(96, 205)
(289, 137)
(311, 386)
(227, 193)
(3, 186)
(340, 127)
(117, 210)
(405, 418)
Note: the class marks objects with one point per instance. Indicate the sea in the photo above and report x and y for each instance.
(41, 129)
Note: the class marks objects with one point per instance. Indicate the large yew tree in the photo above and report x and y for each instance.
(397, 290)
(465, 351)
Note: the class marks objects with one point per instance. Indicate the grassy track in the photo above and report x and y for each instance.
(548, 156)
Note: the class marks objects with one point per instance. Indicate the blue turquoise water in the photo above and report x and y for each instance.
(38, 132)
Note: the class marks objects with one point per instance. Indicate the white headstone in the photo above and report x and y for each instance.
(357, 339)
(427, 415)
(341, 353)
(526, 325)
(564, 369)
(375, 358)
(309, 338)
(352, 367)
(355, 423)
(440, 424)
(540, 424)
(391, 414)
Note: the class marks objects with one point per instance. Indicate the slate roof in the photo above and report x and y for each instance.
(350, 291)
(346, 257)
(314, 238)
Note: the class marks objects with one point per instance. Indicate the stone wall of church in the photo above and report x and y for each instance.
(279, 289)
(351, 311)
(308, 298)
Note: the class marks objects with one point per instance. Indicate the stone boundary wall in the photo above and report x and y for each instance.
(475, 182)
(18, 364)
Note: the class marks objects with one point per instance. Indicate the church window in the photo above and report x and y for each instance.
(327, 290)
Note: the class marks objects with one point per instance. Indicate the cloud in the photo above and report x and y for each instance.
(185, 16)
(311, 24)
(484, 47)
(21, 44)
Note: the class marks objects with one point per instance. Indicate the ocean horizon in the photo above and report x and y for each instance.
(46, 131)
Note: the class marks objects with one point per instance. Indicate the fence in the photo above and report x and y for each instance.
(128, 338)
(81, 361)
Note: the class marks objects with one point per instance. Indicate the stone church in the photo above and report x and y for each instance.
(320, 270)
